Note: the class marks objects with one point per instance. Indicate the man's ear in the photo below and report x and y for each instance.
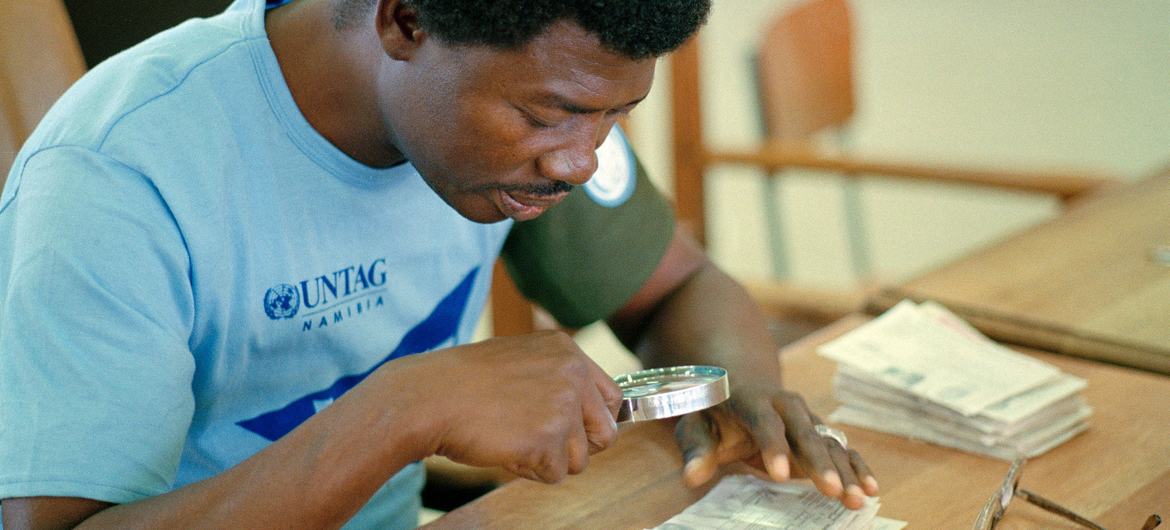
(399, 29)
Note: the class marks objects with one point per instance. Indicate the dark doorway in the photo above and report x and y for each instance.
(106, 27)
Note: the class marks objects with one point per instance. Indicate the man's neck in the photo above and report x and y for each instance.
(320, 66)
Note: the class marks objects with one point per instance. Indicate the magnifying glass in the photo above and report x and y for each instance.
(659, 393)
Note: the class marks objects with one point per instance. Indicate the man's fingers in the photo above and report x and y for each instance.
(578, 449)
(807, 446)
(611, 393)
(772, 430)
(599, 410)
(697, 442)
(600, 428)
(845, 461)
(767, 430)
(599, 405)
(868, 482)
(600, 431)
(852, 495)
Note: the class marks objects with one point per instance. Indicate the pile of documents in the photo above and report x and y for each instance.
(744, 502)
(922, 372)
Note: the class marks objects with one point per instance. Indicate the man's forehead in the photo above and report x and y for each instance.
(566, 66)
(568, 41)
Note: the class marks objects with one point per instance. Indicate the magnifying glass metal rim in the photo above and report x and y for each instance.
(710, 389)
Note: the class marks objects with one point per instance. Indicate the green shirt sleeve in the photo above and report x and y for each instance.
(582, 260)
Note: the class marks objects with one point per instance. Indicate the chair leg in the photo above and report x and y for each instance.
(855, 228)
(781, 269)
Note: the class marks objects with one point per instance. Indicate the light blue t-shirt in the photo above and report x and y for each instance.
(188, 271)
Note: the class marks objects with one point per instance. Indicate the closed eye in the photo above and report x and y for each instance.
(532, 119)
(536, 122)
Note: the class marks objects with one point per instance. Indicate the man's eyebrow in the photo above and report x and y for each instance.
(553, 100)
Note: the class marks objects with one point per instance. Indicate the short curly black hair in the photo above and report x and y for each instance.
(637, 29)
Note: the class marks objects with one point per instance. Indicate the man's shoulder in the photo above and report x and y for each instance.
(133, 81)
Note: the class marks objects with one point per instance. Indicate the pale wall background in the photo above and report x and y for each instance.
(1081, 84)
(1029, 84)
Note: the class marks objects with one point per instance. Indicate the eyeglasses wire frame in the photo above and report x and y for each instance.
(995, 507)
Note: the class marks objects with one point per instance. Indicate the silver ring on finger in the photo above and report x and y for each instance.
(836, 434)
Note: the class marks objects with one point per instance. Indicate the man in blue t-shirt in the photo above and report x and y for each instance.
(241, 264)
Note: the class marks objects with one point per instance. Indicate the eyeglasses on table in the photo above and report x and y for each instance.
(993, 511)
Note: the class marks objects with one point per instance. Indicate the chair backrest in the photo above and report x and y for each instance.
(39, 59)
(805, 68)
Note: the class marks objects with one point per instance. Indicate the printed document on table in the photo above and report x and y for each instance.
(910, 349)
(744, 502)
(1016, 413)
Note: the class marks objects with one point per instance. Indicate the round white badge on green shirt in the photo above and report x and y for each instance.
(613, 182)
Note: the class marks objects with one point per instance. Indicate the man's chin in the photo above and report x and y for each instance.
(497, 206)
(484, 217)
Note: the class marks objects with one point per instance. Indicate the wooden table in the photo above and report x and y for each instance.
(1117, 473)
(1083, 284)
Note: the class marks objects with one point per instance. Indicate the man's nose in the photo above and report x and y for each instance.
(576, 160)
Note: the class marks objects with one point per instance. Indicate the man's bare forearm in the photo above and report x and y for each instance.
(317, 476)
(556, 410)
(707, 319)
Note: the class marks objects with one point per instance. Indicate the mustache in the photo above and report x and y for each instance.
(554, 188)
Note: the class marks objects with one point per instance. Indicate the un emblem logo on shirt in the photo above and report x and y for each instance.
(282, 301)
(613, 182)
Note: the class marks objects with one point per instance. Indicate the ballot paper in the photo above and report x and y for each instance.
(1032, 444)
(920, 371)
(906, 348)
(1020, 412)
(744, 502)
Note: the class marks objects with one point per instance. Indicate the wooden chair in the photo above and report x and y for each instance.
(805, 74)
(39, 59)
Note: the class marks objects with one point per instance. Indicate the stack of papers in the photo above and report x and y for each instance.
(922, 372)
(744, 502)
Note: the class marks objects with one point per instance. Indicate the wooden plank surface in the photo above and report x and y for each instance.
(1083, 284)
(1118, 472)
